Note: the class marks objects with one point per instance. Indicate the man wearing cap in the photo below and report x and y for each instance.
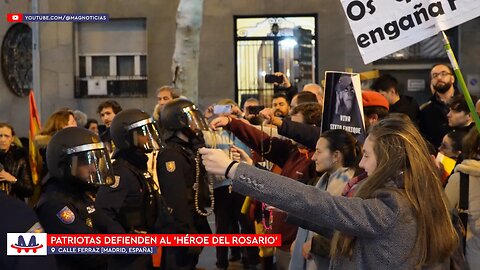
(375, 107)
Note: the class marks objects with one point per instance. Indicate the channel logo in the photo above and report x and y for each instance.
(14, 17)
(26, 244)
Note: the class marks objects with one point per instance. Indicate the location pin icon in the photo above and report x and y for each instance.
(52, 249)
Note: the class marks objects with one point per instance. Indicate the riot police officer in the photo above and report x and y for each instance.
(181, 177)
(20, 218)
(133, 201)
(78, 163)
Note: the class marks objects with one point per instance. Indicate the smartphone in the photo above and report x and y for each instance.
(255, 109)
(222, 109)
(272, 78)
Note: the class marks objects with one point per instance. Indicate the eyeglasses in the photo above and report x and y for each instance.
(442, 74)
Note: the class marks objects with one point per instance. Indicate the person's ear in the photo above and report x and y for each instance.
(337, 157)
(372, 119)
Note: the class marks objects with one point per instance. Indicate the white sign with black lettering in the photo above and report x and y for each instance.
(384, 27)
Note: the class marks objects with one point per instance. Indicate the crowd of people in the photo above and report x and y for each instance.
(388, 203)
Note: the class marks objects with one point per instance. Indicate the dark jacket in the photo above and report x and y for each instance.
(434, 121)
(176, 170)
(304, 134)
(15, 162)
(22, 219)
(295, 164)
(130, 203)
(127, 201)
(65, 208)
(406, 105)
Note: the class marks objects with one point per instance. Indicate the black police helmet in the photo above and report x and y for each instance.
(182, 114)
(58, 156)
(132, 123)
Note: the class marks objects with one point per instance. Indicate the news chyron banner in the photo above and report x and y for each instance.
(384, 27)
(343, 107)
(37, 244)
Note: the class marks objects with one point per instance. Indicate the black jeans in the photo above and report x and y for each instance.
(227, 217)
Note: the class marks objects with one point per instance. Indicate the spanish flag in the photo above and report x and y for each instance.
(34, 156)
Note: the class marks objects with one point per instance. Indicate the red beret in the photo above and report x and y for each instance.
(374, 99)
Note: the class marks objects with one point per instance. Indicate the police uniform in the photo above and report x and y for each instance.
(133, 201)
(77, 163)
(65, 209)
(130, 202)
(20, 218)
(177, 172)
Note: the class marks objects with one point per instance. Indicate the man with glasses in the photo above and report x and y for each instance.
(433, 114)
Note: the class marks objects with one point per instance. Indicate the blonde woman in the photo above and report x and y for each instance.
(398, 218)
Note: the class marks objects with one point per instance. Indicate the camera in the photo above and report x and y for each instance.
(222, 109)
(272, 78)
(255, 109)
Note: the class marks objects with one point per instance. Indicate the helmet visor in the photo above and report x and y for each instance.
(92, 167)
(147, 138)
(196, 121)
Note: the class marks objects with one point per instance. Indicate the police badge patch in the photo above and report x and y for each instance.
(36, 228)
(66, 215)
(170, 166)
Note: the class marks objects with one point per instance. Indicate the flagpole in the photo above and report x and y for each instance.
(461, 81)
(36, 58)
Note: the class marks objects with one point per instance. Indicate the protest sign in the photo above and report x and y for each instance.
(343, 104)
(383, 27)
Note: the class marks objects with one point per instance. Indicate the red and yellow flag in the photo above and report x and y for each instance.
(34, 156)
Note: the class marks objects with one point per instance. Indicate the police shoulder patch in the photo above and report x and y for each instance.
(117, 182)
(36, 228)
(170, 166)
(66, 215)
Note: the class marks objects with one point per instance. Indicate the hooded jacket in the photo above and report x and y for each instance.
(470, 167)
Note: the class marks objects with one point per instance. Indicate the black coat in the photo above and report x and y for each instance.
(176, 174)
(433, 120)
(304, 134)
(128, 206)
(406, 105)
(15, 162)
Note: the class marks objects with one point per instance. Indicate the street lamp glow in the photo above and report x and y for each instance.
(288, 43)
